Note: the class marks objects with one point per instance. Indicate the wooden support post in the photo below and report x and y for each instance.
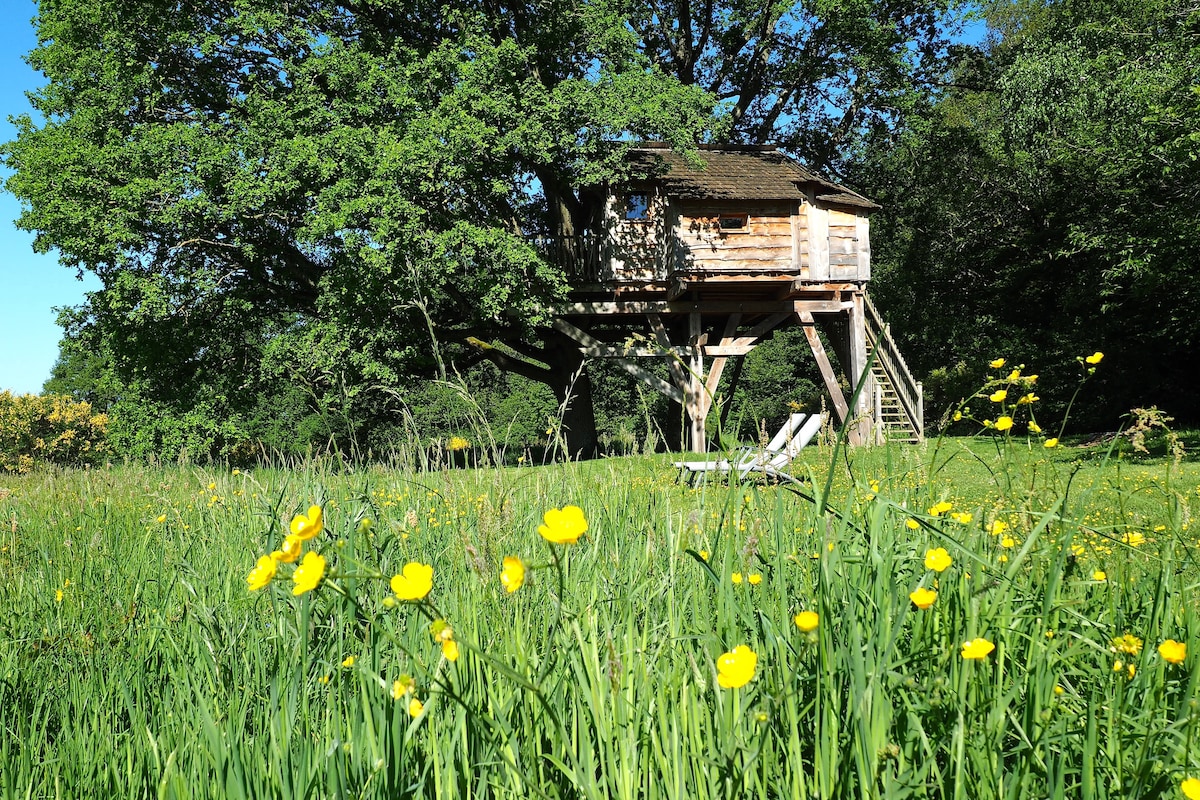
(697, 405)
(713, 380)
(831, 381)
(856, 370)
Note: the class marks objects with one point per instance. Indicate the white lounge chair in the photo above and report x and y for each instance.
(795, 434)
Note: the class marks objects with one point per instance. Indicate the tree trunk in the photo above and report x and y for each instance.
(572, 388)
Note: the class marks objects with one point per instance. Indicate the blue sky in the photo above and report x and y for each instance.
(31, 285)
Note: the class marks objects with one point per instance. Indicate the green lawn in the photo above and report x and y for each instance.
(136, 662)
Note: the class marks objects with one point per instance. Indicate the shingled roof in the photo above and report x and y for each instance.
(738, 172)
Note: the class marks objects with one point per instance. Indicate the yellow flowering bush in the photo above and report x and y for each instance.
(49, 429)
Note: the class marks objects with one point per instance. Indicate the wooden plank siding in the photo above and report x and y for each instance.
(765, 244)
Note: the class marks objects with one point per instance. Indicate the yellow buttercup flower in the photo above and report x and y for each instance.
(998, 395)
(563, 526)
(309, 573)
(754, 579)
(1095, 358)
(736, 668)
(1051, 442)
(1004, 423)
(415, 707)
(512, 576)
(1100, 575)
(58, 595)
(1027, 399)
(997, 364)
(1014, 375)
(457, 443)
(977, 649)
(736, 577)
(922, 597)
(1190, 788)
(807, 621)
(161, 518)
(348, 661)
(262, 573)
(999, 527)
(292, 546)
(912, 524)
(306, 526)
(1173, 651)
(402, 686)
(415, 582)
(940, 508)
(962, 517)
(937, 559)
(450, 650)
(1126, 643)
(1034, 427)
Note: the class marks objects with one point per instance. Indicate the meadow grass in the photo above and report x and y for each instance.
(136, 662)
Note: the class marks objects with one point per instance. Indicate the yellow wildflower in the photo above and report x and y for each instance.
(940, 508)
(977, 649)
(292, 546)
(306, 526)
(962, 517)
(415, 582)
(736, 577)
(348, 661)
(262, 573)
(754, 579)
(736, 668)
(450, 650)
(1127, 643)
(1051, 442)
(1099, 575)
(999, 527)
(512, 576)
(402, 686)
(58, 595)
(997, 364)
(807, 621)
(563, 526)
(912, 524)
(1004, 423)
(1190, 788)
(309, 573)
(1094, 358)
(1026, 399)
(457, 443)
(415, 707)
(1014, 375)
(998, 396)
(1008, 541)
(922, 597)
(1173, 651)
(161, 518)
(937, 559)
(1034, 427)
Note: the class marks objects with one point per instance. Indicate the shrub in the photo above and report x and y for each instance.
(51, 429)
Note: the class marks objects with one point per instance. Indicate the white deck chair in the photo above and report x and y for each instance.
(773, 468)
(769, 460)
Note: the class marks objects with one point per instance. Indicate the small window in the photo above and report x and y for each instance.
(637, 206)
(733, 223)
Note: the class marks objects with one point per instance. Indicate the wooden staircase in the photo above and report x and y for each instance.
(897, 400)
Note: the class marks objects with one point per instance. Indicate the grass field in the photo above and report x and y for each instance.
(135, 660)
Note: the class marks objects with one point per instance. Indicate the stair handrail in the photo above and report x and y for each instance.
(908, 390)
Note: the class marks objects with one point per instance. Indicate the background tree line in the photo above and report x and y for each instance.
(308, 217)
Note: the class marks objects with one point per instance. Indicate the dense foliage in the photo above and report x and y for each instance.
(49, 429)
(1045, 206)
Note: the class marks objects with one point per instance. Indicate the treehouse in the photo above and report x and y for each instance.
(698, 260)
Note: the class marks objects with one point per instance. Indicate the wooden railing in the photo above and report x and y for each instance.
(908, 390)
(578, 256)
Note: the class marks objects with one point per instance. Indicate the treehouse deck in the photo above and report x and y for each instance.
(699, 261)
